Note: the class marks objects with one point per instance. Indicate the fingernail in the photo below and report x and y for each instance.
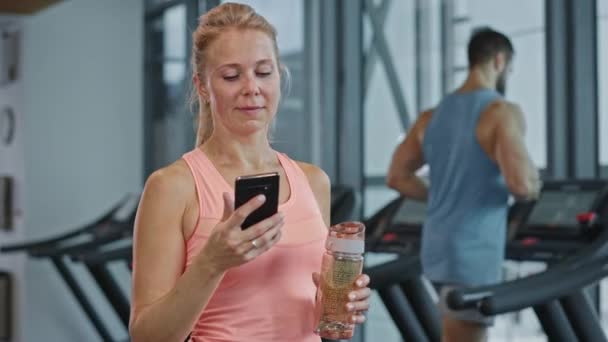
(260, 198)
(353, 319)
(349, 306)
(352, 296)
(359, 282)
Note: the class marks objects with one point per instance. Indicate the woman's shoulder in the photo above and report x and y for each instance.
(174, 180)
(317, 178)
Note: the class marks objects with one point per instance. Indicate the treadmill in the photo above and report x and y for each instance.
(548, 229)
(115, 225)
(396, 229)
(558, 233)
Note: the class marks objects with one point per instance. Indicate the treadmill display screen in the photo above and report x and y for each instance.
(411, 213)
(560, 208)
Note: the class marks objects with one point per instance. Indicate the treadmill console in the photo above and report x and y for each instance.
(399, 227)
(555, 215)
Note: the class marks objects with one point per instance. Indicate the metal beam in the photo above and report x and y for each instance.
(572, 94)
(329, 83)
(557, 105)
(583, 92)
(423, 54)
(350, 94)
(380, 11)
(447, 46)
(389, 67)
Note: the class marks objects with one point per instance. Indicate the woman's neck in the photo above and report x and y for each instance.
(251, 153)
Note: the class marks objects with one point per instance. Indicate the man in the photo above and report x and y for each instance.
(474, 146)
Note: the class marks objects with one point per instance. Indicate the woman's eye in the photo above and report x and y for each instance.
(231, 77)
(264, 74)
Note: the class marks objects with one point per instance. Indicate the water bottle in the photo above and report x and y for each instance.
(342, 263)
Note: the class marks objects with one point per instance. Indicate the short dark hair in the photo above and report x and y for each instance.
(485, 43)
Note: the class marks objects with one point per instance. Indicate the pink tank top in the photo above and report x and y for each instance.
(272, 297)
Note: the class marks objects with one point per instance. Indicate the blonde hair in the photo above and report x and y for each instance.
(211, 25)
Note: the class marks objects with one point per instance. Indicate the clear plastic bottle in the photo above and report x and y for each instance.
(342, 263)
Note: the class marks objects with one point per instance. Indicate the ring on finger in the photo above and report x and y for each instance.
(254, 243)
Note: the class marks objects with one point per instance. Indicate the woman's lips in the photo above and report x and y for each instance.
(250, 110)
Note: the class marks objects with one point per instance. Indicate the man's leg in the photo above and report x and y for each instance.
(463, 325)
(454, 330)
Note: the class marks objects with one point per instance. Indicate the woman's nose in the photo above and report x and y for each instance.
(250, 85)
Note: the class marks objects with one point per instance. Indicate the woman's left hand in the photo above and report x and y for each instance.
(358, 299)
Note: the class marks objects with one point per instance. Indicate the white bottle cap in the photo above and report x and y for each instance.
(335, 244)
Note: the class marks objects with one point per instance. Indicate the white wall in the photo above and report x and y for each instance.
(12, 165)
(82, 71)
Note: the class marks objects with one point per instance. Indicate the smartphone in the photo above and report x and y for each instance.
(247, 187)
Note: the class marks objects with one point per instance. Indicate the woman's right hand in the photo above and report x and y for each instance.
(229, 245)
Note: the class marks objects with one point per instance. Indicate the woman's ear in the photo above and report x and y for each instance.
(201, 90)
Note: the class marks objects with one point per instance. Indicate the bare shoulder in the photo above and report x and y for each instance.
(502, 107)
(317, 178)
(425, 116)
(420, 125)
(321, 188)
(173, 182)
(502, 113)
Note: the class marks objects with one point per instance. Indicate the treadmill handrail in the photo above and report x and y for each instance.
(102, 256)
(43, 243)
(560, 286)
(92, 244)
(472, 297)
(394, 272)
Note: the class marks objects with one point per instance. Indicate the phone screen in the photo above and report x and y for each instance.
(247, 187)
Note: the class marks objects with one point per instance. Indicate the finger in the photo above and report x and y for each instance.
(362, 280)
(270, 237)
(357, 318)
(228, 206)
(316, 278)
(260, 228)
(263, 243)
(240, 214)
(357, 306)
(361, 294)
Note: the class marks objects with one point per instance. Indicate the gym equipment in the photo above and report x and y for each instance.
(113, 226)
(395, 228)
(566, 217)
(6, 202)
(344, 204)
(6, 306)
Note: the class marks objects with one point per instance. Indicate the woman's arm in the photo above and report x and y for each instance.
(165, 303)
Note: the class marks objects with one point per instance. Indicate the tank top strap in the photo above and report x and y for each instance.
(209, 184)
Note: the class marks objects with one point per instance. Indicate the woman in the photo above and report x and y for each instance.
(196, 271)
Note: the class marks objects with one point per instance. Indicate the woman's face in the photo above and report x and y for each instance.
(242, 81)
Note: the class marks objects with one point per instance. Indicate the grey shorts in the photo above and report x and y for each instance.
(468, 315)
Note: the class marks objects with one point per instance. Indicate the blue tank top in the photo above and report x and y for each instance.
(464, 236)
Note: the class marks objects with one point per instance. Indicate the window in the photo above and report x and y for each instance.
(523, 21)
(170, 131)
(401, 78)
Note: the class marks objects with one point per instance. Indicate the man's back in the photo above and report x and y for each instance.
(465, 229)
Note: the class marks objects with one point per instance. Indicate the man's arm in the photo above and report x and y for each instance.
(407, 159)
(514, 161)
